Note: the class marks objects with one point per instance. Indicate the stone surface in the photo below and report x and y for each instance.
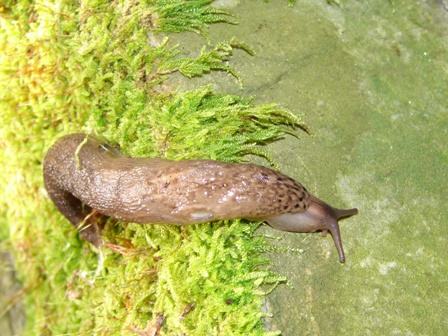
(371, 79)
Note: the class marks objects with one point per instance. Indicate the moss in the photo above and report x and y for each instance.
(100, 68)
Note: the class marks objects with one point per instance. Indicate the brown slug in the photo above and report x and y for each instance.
(85, 178)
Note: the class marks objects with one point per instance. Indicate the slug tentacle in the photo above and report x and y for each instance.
(82, 175)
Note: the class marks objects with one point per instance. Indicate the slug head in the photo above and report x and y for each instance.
(318, 216)
(326, 219)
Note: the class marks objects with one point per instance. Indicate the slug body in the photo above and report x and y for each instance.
(82, 174)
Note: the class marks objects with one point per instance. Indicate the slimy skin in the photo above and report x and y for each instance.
(86, 179)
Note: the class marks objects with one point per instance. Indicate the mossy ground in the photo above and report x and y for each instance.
(100, 67)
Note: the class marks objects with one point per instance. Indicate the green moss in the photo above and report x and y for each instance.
(180, 16)
(100, 68)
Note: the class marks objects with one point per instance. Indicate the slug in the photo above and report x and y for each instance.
(86, 180)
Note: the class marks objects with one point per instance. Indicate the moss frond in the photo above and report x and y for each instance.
(199, 124)
(177, 16)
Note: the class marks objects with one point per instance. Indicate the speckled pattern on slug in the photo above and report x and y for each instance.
(220, 188)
